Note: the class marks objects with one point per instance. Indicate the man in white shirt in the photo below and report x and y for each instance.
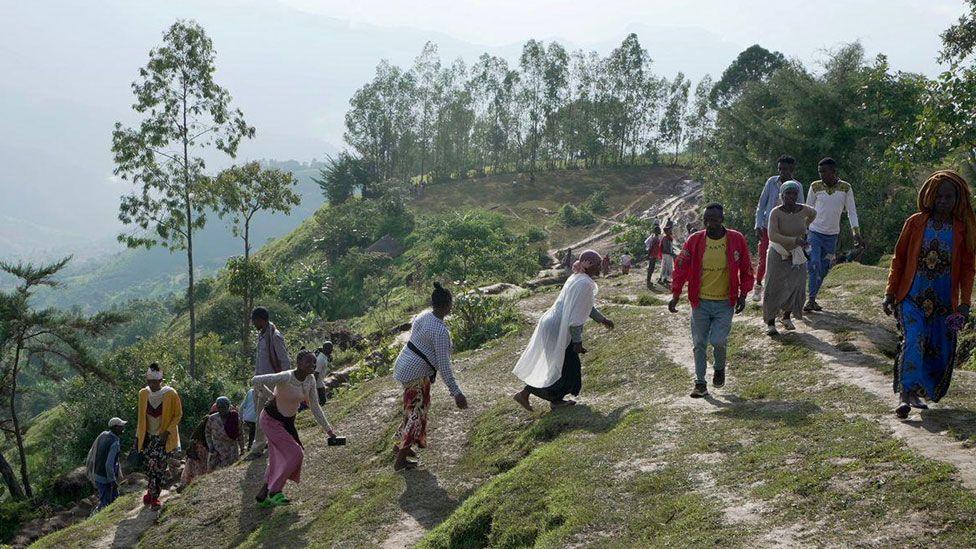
(830, 197)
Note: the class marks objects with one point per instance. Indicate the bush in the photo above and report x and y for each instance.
(597, 203)
(535, 234)
(571, 216)
(478, 318)
(13, 514)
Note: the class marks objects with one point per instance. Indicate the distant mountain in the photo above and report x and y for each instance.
(67, 67)
(99, 282)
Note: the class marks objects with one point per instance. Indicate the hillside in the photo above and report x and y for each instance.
(799, 449)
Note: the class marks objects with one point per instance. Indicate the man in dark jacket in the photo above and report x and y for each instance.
(103, 462)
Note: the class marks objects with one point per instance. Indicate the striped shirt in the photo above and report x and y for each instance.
(431, 336)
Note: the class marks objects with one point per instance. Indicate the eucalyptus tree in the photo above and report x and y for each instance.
(242, 192)
(672, 123)
(185, 115)
(700, 117)
(427, 97)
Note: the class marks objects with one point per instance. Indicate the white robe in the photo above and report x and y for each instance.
(541, 363)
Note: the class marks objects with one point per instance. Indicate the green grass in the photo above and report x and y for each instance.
(87, 532)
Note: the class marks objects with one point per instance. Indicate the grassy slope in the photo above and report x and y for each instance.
(786, 454)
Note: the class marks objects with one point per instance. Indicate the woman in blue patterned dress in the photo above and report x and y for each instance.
(929, 288)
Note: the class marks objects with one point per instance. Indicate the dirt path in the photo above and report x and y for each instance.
(672, 207)
(130, 529)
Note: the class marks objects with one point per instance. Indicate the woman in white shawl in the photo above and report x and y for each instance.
(550, 365)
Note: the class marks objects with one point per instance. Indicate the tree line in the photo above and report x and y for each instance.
(551, 109)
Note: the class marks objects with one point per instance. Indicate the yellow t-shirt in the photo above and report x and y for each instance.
(715, 270)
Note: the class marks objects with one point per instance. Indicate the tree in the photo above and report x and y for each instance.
(948, 121)
(427, 97)
(242, 192)
(754, 64)
(37, 338)
(700, 119)
(672, 124)
(185, 113)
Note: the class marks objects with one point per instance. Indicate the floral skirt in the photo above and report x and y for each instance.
(416, 404)
(157, 461)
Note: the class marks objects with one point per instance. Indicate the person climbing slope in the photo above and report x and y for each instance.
(157, 430)
(550, 364)
(288, 390)
(427, 353)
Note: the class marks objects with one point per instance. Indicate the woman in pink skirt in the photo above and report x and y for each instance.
(285, 452)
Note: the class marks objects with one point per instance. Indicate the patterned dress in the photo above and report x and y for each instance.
(223, 439)
(928, 348)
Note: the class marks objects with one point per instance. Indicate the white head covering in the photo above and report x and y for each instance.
(154, 375)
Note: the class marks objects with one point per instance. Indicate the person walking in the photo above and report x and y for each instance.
(323, 361)
(249, 416)
(667, 254)
(652, 245)
(769, 199)
(550, 364)
(102, 463)
(830, 197)
(715, 264)
(426, 354)
(287, 391)
(786, 260)
(271, 357)
(626, 262)
(157, 430)
(930, 286)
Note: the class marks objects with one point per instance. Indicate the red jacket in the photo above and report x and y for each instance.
(688, 267)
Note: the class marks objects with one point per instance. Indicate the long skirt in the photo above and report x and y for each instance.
(785, 290)
(195, 466)
(157, 461)
(570, 382)
(416, 404)
(285, 454)
(927, 356)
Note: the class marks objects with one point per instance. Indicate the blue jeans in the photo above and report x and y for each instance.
(823, 249)
(107, 493)
(711, 322)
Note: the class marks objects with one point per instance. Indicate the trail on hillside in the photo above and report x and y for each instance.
(680, 205)
(853, 366)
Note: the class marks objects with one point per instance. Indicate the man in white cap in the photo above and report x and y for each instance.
(103, 462)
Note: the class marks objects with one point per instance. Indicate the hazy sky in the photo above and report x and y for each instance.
(906, 30)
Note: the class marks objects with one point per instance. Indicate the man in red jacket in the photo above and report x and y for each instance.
(716, 265)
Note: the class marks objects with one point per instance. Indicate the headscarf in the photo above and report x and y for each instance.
(963, 210)
(586, 260)
(154, 375)
(791, 184)
(232, 424)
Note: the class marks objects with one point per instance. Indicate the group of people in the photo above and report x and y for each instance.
(266, 420)
(929, 292)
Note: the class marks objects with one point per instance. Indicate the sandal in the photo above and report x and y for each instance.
(275, 500)
(916, 402)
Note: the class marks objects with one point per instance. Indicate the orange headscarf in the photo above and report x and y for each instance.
(964, 201)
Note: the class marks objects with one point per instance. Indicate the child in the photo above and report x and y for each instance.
(249, 416)
(667, 254)
(626, 262)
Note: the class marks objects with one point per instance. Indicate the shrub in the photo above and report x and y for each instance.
(597, 203)
(571, 216)
(478, 318)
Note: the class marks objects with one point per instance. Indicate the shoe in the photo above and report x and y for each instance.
(700, 391)
(814, 306)
(809, 307)
(156, 505)
(718, 378)
(757, 293)
(147, 499)
(902, 410)
(788, 324)
(771, 330)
